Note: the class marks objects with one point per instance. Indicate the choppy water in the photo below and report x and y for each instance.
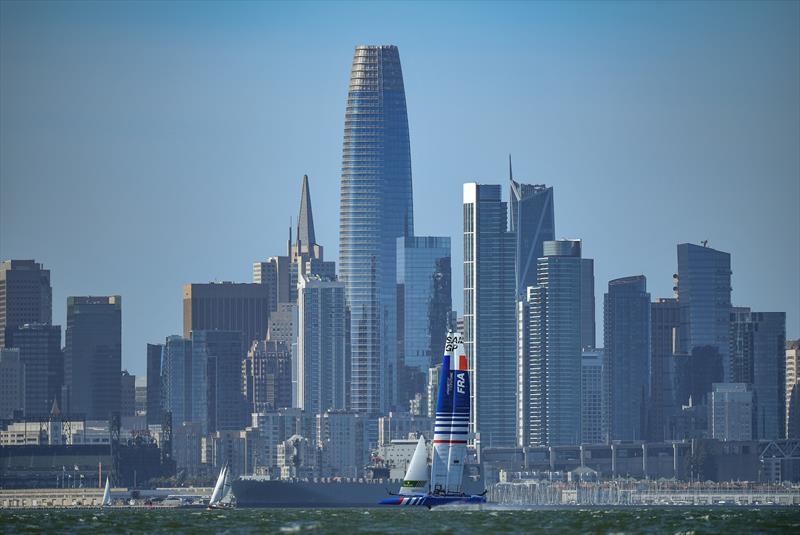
(403, 522)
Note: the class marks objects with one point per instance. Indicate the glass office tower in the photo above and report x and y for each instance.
(375, 209)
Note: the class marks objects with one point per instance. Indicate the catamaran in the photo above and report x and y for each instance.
(221, 498)
(450, 434)
(106, 494)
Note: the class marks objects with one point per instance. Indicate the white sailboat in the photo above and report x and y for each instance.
(221, 496)
(106, 494)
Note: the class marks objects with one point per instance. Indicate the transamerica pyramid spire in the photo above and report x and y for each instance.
(305, 221)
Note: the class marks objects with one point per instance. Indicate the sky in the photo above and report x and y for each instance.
(148, 145)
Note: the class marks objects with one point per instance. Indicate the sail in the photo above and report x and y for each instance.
(416, 479)
(226, 486)
(217, 494)
(452, 419)
(107, 494)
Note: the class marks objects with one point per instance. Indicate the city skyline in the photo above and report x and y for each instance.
(107, 234)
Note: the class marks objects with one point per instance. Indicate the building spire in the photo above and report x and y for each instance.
(305, 221)
(510, 172)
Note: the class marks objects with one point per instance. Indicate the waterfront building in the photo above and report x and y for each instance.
(376, 208)
(141, 397)
(127, 399)
(298, 458)
(154, 354)
(704, 299)
(399, 425)
(432, 390)
(340, 443)
(184, 384)
(593, 426)
(791, 392)
(275, 427)
(424, 303)
(187, 445)
(731, 412)
(267, 376)
(663, 405)
(588, 336)
(532, 221)
(489, 314)
(12, 383)
(549, 350)
(626, 329)
(758, 357)
(223, 354)
(321, 358)
(25, 296)
(43, 361)
(93, 356)
(228, 306)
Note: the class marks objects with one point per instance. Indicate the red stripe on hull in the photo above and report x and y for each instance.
(449, 441)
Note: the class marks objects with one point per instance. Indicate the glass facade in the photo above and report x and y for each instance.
(489, 312)
(224, 355)
(184, 383)
(704, 298)
(549, 358)
(533, 222)
(663, 406)
(758, 356)
(375, 209)
(627, 346)
(592, 397)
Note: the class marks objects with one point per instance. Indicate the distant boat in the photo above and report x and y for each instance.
(106, 494)
(450, 434)
(222, 498)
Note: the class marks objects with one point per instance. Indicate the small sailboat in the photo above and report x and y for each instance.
(106, 494)
(450, 434)
(221, 497)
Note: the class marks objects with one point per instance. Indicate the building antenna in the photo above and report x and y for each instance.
(510, 172)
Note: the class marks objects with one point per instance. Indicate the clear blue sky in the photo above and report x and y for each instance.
(147, 145)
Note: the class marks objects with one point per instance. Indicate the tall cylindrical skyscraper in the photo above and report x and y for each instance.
(375, 209)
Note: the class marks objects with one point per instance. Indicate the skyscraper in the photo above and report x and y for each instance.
(704, 299)
(424, 303)
(25, 296)
(322, 363)
(758, 358)
(489, 314)
(376, 208)
(184, 380)
(228, 306)
(223, 352)
(731, 412)
(792, 392)
(41, 356)
(127, 403)
(592, 397)
(626, 328)
(549, 350)
(533, 222)
(664, 324)
(267, 376)
(93, 355)
(12, 383)
(154, 354)
(588, 336)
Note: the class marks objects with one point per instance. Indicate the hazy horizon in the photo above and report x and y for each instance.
(144, 146)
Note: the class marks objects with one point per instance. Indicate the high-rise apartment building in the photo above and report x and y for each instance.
(93, 356)
(626, 329)
(549, 350)
(228, 306)
(758, 359)
(592, 397)
(588, 336)
(267, 376)
(704, 300)
(532, 221)
(424, 303)
(322, 362)
(663, 405)
(41, 356)
(224, 354)
(184, 384)
(376, 208)
(25, 296)
(154, 355)
(792, 391)
(489, 314)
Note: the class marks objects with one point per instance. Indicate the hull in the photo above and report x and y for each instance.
(432, 500)
(252, 492)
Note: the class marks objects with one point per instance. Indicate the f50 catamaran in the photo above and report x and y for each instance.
(450, 434)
